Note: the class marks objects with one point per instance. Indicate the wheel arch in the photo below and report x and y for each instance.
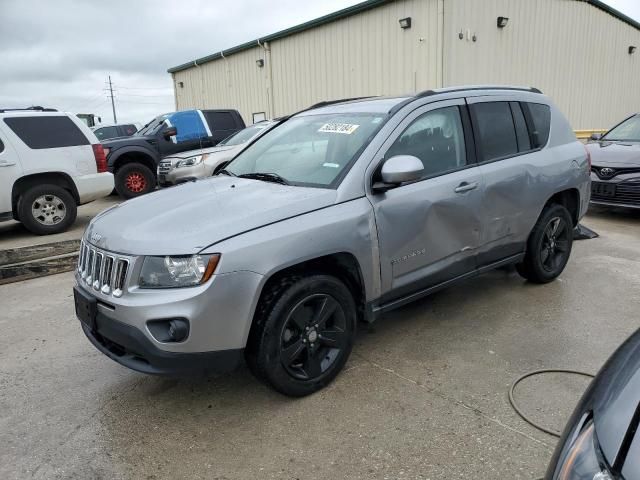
(570, 199)
(135, 156)
(56, 178)
(342, 265)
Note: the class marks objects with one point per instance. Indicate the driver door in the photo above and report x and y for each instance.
(429, 230)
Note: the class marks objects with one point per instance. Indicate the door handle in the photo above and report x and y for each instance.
(465, 187)
(5, 163)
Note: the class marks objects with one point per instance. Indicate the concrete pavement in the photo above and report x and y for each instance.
(423, 395)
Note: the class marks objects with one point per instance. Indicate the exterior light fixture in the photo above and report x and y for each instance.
(632, 49)
(181, 84)
(405, 23)
(502, 22)
(260, 63)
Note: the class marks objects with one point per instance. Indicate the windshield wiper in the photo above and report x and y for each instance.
(266, 177)
(224, 171)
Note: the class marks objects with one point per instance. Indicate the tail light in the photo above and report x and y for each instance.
(101, 158)
(588, 158)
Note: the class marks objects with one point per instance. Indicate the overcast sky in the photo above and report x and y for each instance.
(60, 53)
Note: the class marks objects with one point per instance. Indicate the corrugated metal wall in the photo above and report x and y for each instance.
(366, 54)
(572, 51)
(232, 82)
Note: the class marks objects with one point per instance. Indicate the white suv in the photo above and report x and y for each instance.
(50, 162)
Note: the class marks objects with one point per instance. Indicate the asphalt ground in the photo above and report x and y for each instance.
(423, 396)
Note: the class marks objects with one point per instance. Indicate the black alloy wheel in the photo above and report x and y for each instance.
(313, 337)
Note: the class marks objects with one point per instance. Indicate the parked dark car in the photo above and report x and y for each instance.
(600, 441)
(114, 131)
(134, 160)
(615, 170)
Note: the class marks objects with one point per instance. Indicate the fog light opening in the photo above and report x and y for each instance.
(170, 330)
(178, 330)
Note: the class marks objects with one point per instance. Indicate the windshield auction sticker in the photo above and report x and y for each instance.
(346, 128)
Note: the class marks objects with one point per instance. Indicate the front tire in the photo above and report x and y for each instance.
(303, 335)
(133, 180)
(549, 246)
(47, 209)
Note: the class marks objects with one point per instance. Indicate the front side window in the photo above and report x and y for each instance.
(47, 131)
(628, 131)
(496, 129)
(310, 150)
(436, 138)
(153, 126)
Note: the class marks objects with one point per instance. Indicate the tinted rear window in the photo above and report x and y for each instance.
(106, 132)
(220, 120)
(541, 117)
(47, 132)
(496, 129)
(129, 129)
(522, 134)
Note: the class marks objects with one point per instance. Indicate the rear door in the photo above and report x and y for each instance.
(10, 171)
(429, 230)
(507, 157)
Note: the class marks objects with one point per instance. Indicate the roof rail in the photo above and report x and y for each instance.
(427, 93)
(27, 109)
(332, 102)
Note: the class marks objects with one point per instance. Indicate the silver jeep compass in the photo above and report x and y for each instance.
(338, 214)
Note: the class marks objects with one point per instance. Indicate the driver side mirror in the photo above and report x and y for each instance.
(397, 170)
(169, 132)
(595, 136)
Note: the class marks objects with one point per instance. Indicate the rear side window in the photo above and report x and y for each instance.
(106, 132)
(47, 132)
(129, 129)
(541, 119)
(496, 129)
(220, 120)
(522, 134)
(1, 146)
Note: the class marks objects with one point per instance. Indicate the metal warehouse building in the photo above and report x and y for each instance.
(582, 53)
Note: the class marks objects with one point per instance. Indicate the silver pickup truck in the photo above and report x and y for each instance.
(338, 214)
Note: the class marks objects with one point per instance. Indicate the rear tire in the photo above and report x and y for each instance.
(303, 334)
(47, 209)
(134, 179)
(549, 246)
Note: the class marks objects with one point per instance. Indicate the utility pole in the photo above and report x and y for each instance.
(113, 105)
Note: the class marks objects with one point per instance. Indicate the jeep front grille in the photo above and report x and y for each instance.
(102, 270)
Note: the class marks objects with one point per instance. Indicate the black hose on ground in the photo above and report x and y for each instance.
(531, 374)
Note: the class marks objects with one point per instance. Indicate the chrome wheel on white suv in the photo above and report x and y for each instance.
(46, 209)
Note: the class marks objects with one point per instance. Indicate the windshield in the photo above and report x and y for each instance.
(627, 131)
(311, 150)
(153, 126)
(243, 136)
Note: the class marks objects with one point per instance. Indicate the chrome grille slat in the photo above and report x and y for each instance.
(102, 271)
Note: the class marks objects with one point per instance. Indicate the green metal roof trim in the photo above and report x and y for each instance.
(347, 12)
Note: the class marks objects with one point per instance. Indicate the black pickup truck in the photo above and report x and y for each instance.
(133, 160)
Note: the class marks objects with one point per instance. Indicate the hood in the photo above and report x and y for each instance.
(615, 397)
(185, 219)
(201, 151)
(114, 143)
(615, 154)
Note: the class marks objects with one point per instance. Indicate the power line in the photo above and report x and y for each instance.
(144, 96)
(143, 88)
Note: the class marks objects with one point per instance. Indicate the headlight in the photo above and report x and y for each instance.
(191, 161)
(178, 271)
(584, 461)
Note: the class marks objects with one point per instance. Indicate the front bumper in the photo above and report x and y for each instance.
(219, 314)
(130, 347)
(621, 191)
(175, 176)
